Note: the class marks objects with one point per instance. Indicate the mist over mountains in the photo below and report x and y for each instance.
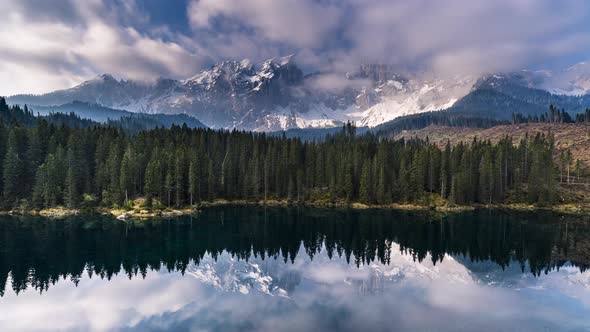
(277, 95)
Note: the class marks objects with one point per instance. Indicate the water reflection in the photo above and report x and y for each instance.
(37, 252)
(308, 295)
(297, 269)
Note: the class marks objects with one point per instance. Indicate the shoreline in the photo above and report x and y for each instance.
(122, 214)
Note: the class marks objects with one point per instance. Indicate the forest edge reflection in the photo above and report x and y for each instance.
(37, 252)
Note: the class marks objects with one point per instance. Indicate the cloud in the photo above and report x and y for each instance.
(44, 46)
(302, 23)
(403, 295)
(446, 37)
(456, 35)
(88, 38)
(335, 83)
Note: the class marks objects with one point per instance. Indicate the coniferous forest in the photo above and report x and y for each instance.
(46, 165)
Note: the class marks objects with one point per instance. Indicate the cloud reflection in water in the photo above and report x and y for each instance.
(323, 294)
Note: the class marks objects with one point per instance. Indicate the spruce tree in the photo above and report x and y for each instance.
(366, 183)
(194, 180)
(38, 198)
(72, 193)
(179, 179)
(13, 171)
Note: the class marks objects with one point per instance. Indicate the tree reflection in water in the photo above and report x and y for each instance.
(37, 252)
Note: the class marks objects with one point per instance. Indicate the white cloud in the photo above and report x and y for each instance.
(336, 83)
(303, 23)
(47, 54)
(49, 45)
(446, 37)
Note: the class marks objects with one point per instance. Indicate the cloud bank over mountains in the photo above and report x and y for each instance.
(50, 45)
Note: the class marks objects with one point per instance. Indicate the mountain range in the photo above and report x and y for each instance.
(276, 95)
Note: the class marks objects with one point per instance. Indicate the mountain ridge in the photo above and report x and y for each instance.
(276, 95)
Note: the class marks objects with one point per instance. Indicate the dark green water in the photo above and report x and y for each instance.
(298, 269)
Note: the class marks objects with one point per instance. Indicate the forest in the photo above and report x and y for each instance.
(554, 115)
(435, 118)
(46, 165)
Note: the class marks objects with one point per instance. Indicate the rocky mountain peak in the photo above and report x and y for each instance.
(271, 95)
(106, 77)
(282, 68)
(379, 73)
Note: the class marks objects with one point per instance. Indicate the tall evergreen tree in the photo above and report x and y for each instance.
(13, 170)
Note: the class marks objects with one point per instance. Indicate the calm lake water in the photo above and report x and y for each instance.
(297, 269)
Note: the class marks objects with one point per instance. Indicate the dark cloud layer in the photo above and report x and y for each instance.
(54, 44)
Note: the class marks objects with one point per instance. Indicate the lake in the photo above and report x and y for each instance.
(297, 269)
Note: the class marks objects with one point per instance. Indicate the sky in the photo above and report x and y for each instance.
(49, 45)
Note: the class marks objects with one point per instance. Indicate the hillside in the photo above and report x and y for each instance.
(85, 115)
(573, 136)
(498, 96)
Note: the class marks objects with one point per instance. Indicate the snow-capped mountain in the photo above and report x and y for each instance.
(399, 97)
(233, 275)
(274, 95)
(573, 81)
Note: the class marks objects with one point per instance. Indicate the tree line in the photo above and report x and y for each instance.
(554, 115)
(131, 123)
(48, 165)
(436, 118)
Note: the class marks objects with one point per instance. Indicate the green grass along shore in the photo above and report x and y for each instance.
(137, 210)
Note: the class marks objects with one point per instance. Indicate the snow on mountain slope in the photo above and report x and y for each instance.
(232, 275)
(413, 97)
(573, 81)
(274, 95)
(273, 277)
(317, 115)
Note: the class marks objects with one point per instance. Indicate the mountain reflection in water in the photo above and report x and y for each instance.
(37, 252)
(237, 268)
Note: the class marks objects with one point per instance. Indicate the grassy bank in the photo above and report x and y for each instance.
(139, 211)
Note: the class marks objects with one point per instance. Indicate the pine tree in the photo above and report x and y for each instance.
(55, 178)
(169, 185)
(72, 183)
(486, 181)
(445, 172)
(403, 183)
(348, 180)
(13, 171)
(267, 176)
(3, 139)
(417, 176)
(39, 187)
(383, 195)
(153, 178)
(179, 179)
(114, 171)
(194, 180)
(366, 183)
(212, 183)
(127, 176)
